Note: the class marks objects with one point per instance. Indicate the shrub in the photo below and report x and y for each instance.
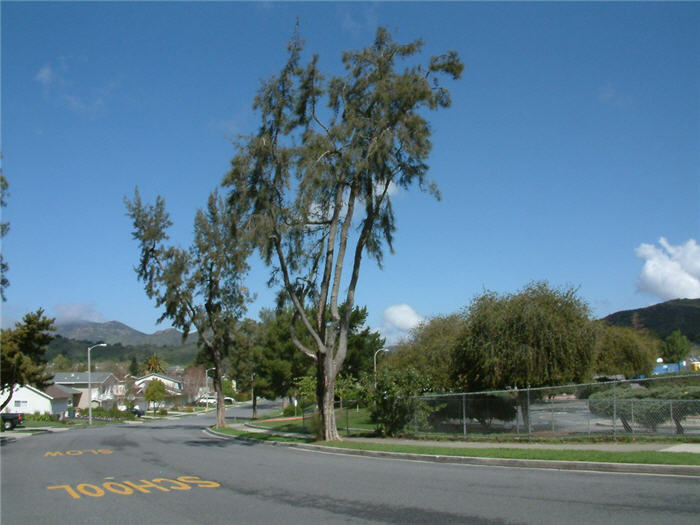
(393, 403)
(162, 412)
(650, 407)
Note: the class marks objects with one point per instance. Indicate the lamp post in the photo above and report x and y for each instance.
(206, 376)
(90, 382)
(375, 364)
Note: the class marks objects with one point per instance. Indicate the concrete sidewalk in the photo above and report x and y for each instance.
(608, 447)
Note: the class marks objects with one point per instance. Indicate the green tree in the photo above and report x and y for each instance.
(540, 336)
(308, 182)
(623, 350)
(394, 402)
(675, 348)
(134, 368)
(155, 393)
(201, 287)
(429, 350)
(154, 365)
(22, 350)
(61, 363)
(4, 228)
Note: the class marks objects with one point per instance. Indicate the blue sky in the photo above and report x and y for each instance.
(570, 153)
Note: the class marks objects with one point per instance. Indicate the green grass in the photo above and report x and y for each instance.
(357, 421)
(595, 456)
(598, 456)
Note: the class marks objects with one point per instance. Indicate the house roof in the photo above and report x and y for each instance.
(70, 378)
(60, 392)
(156, 376)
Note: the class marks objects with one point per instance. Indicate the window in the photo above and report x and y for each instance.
(21, 403)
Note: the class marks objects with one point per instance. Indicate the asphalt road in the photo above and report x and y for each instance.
(171, 472)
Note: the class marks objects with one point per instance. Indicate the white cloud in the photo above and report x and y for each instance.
(670, 272)
(358, 21)
(398, 320)
(72, 312)
(45, 75)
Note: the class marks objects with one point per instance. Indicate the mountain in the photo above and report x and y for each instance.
(114, 332)
(663, 318)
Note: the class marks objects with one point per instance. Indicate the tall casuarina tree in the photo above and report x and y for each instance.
(318, 175)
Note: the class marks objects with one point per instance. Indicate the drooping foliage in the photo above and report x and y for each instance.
(540, 336)
(626, 351)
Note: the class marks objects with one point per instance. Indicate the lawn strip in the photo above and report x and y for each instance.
(596, 456)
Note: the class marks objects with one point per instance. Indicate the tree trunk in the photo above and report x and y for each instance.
(325, 393)
(9, 398)
(524, 407)
(255, 405)
(220, 405)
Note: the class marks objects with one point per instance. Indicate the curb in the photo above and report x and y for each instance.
(619, 468)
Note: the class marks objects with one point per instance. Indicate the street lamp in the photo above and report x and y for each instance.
(90, 382)
(375, 364)
(206, 375)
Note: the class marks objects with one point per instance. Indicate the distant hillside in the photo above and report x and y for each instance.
(663, 318)
(76, 351)
(115, 332)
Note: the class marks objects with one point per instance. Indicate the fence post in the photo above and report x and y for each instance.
(347, 421)
(529, 414)
(632, 414)
(464, 415)
(552, 403)
(614, 412)
(670, 410)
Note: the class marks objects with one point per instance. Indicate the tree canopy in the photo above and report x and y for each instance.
(675, 347)
(23, 348)
(540, 336)
(318, 175)
(155, 392)
(626, 351)
(428, 350)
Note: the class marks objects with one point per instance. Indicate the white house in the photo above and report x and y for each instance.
(54, 399)
(173, 388)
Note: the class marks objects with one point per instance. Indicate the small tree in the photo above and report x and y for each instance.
(22, 354)
(155, 393)
(624, 350)
(675, 348)
(393, 404)
(134, 368)
(201, 287)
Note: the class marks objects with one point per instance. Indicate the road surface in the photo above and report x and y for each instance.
(171, 472)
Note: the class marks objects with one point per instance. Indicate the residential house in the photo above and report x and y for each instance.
(103, 386)
(173, 387)
(54, 399)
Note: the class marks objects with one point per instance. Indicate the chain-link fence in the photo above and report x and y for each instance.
(664, 405)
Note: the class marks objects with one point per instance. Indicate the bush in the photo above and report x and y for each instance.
(291, 411)
(393, 403)
(650, 407)
(162, 412)
(36, 416)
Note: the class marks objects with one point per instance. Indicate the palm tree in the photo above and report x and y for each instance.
(154, 365)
